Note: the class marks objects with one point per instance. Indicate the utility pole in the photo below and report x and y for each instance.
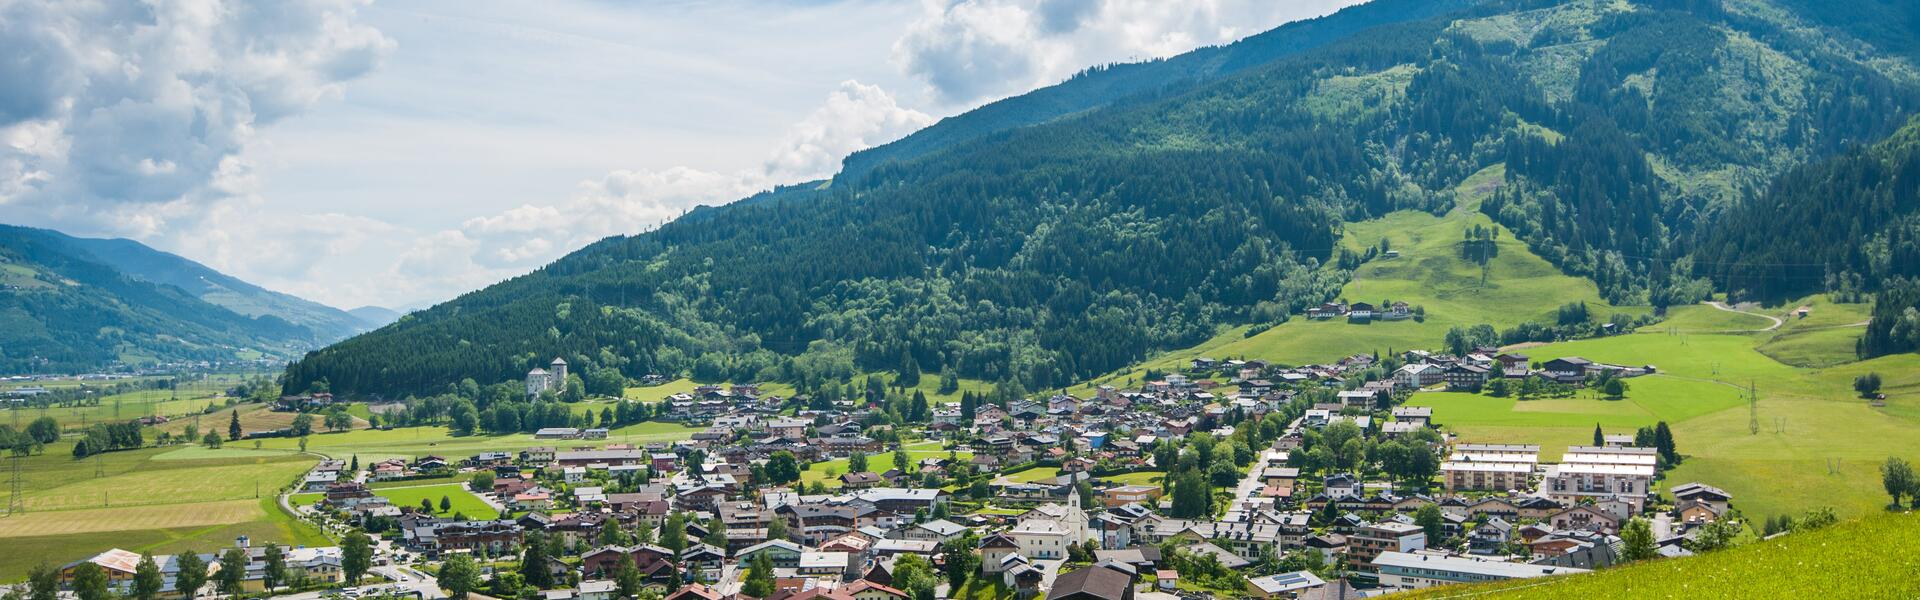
(1753, 408)
(16, 501)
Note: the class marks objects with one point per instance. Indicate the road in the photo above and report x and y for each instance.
(1776, 320)
(405, 579)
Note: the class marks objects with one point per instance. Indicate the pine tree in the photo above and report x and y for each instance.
(759, 582)
(533, 563)
(1663, 441)
(233, 427)
(1599, 439)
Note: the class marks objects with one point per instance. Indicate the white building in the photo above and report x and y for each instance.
(1599, 473)
(1419, 570)
(540, 380)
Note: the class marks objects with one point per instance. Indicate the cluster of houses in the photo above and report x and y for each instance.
(318, 565)
(1504, 512)
(1362, 312)
(1424, 369)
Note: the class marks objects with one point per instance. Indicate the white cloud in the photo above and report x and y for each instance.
(133, 118)
(855, 116)
(973, 51)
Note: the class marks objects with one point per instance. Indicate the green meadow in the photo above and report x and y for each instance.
(1514, 287)
(1867, 558)
(152, 499)
(459, 499)
(828, 472)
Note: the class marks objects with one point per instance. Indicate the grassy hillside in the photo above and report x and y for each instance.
(1809, 418)
(1867, 558)
(1515, 286)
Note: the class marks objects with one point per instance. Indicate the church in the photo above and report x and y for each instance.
(540, 380)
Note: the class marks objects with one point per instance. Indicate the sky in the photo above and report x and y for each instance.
(401, 153)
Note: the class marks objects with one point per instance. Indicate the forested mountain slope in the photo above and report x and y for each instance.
(63, 310)
(1102, 86)
(1056, 251)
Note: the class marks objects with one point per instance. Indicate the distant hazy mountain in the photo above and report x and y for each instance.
(375, 317)
(70, 303)
(142, 262)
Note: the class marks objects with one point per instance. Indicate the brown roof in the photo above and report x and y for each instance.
(1092, 582)
(695, 592)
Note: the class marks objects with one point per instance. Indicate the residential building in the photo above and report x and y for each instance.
(1414, 571)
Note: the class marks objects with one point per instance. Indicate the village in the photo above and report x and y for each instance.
(1230, 478)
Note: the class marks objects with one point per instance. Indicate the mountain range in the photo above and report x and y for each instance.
(1076, 229)
(72, 303)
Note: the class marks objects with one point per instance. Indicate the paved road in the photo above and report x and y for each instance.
(405, 579)
(1776, 320)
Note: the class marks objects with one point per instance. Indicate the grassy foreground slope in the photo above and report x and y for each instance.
(1874, 557)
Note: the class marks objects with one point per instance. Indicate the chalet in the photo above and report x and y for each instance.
(1360, 312)
(1462, 376)
(1713, 497)
(1571, 369)
(1422, 415)
(1490, 536)
(859, 480)
(1417, 375)
(1326, 311)
(1584, 518)
(1398, 311)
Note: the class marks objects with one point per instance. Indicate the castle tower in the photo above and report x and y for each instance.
(558, 371)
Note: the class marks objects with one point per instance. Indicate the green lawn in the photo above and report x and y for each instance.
(828, 472)
(1032, 475)
(1136, 478)
(462, 500)
(1869, 558)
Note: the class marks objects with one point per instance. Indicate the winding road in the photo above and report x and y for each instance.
(1776, 320)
